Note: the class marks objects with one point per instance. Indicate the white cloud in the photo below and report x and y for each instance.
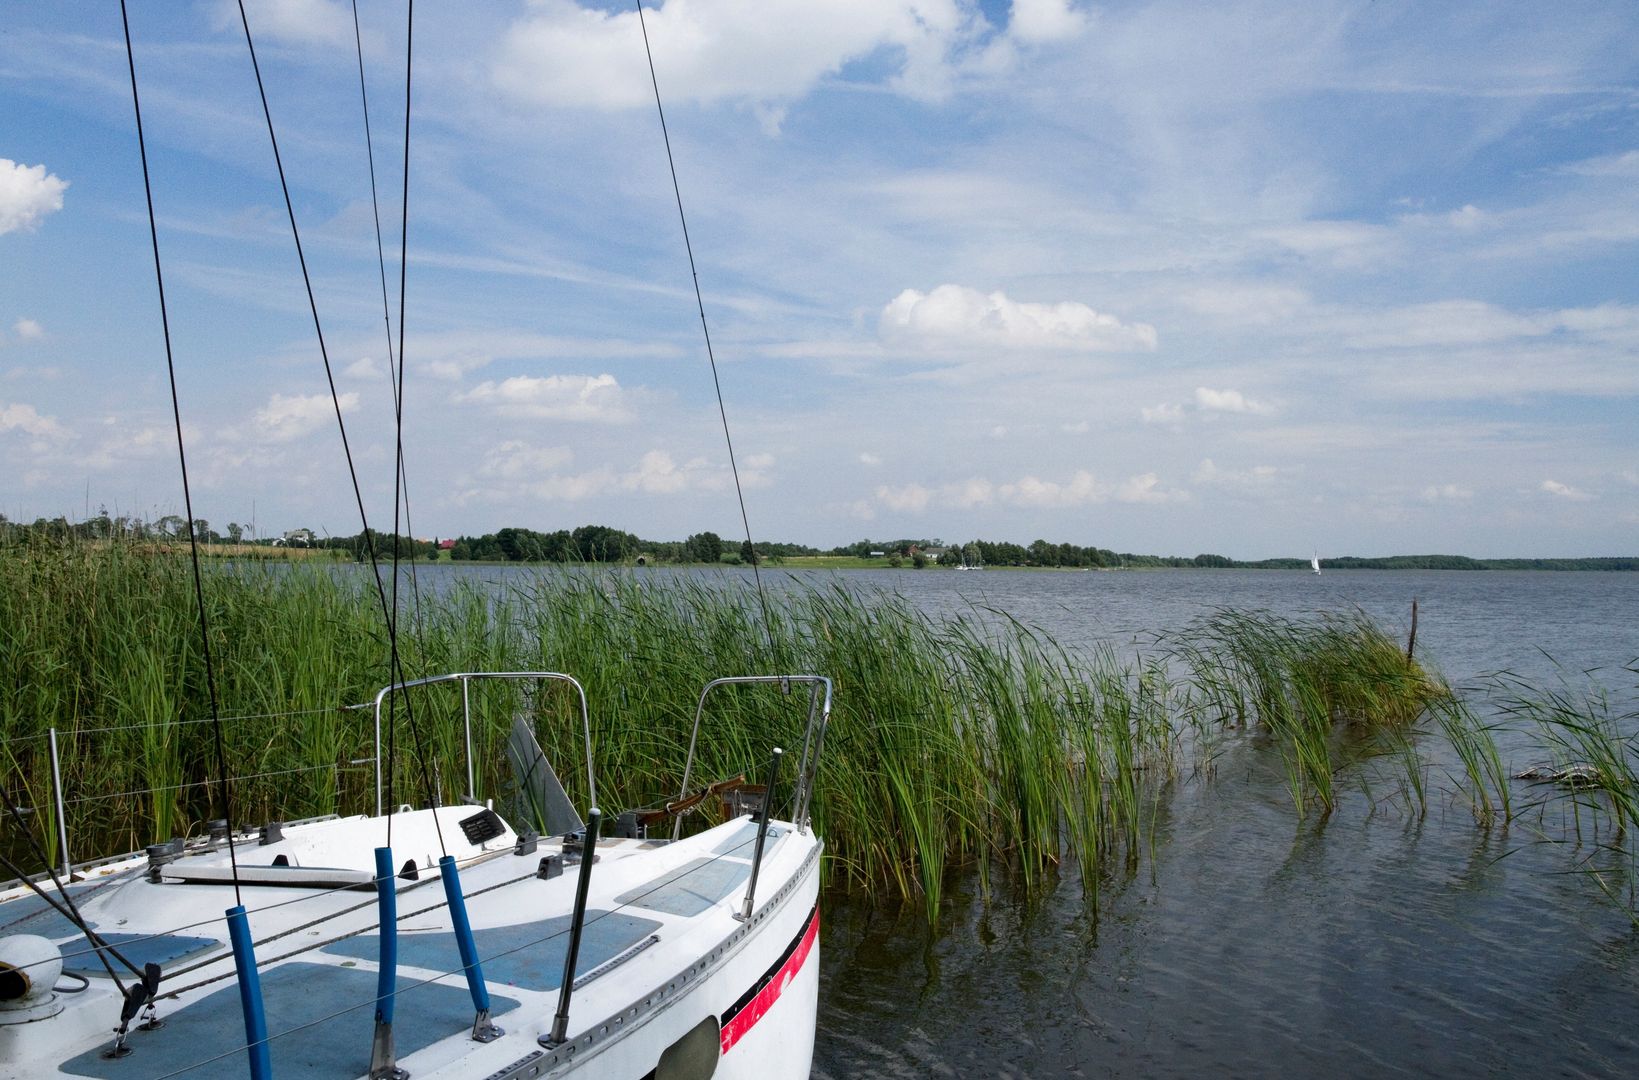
(968, 494)
(657, 473)
(1341, 244)
(1233, 401)
(554, 397)
(868, 458)
(1447, 493)
(517, 460)
(1049, 494)
(909, 499)
(999, 431)
(1244, 304)
(285, 418)
(1446, 322)
(24, 418)
(28, 329)
(1468, 218)
(1604, 321)
(515, 470)
(365, 367)
(1079, 428)
(1564, 491)
(1079, 489)
(27, 194)
(956, 314)
(1038, 21)
(1207, 473)
(758, 51)
(297, 22)
(1164, 413)
(1623, 165)
(450, 368)
(1146, 488)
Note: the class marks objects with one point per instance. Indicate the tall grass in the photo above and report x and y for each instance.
(1325, 692)
(975, 741)
(1585, 791)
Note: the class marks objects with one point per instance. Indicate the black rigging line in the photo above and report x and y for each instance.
(722, 411)
(394, 376)
(396, 674)
(66, 908)
(403, 483)
(223, 791)
(398, 387)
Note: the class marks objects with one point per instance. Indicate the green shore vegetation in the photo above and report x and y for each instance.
(970, 741)
(604, 545)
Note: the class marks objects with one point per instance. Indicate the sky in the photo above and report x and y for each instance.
(1250, 278)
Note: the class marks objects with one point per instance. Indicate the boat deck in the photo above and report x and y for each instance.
(659, 914)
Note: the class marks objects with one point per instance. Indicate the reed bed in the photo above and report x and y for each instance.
(1583, 790)
(1325, 693)
(973, 741)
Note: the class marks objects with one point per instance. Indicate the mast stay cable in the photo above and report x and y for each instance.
(396, 673)
(403, 481)
(699, 301)
(223, 790)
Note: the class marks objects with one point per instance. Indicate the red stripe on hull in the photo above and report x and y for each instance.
(755, 1009)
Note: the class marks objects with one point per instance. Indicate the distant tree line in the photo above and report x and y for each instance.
(172, 529)
(604, 544)
(931, 552)
(1043, 553)
(103, 526)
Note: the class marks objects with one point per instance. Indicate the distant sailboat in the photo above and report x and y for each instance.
(1314, 562)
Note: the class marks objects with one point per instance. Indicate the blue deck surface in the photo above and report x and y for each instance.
(296, 994)
(140, 949)
(32, 915)
(529, 955)
(743, 840)
(689, 889)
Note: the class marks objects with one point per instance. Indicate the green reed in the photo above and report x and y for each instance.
(1327, 692)
(970, 741)
(1590, 800)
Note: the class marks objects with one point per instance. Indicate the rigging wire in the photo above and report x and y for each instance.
(224, 791)
(398, 411)
(402, 482)
(700, 303)
(396, 673)
(66, 908)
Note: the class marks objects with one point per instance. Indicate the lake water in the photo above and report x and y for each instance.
(1255, 943)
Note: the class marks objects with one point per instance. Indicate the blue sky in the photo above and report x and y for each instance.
(1252, 278)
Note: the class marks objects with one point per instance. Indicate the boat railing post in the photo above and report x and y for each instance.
(61, 806)
(466, 727)
(250, 994)
(383, 1059)
(588, 855)
(483, 1028)
(762, 832)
